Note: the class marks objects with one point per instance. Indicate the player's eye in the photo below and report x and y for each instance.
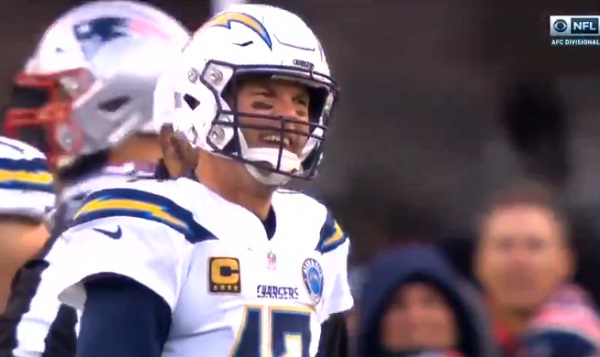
(302, 102)
(302, 112)
(261, 105)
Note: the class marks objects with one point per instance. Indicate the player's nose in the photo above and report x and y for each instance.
(287, 109)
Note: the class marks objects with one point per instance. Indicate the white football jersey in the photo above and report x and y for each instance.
(35, 324)
(232, 291)
(26, 184)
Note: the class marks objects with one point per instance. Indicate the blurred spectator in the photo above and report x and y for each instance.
(413, 302)
(525, 263)
(535, 120)
(356, 278)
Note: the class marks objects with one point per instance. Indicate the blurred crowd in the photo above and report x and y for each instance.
(521, 302)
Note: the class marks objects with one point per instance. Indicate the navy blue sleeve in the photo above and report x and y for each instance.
(334, 341)
(122, 318)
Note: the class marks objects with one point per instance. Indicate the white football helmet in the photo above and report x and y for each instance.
(248, 40)
(90, 81)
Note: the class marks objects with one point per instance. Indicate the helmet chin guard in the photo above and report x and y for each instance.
(270, 158)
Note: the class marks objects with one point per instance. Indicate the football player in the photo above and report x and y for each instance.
(26, 196)
(96, 68)
(225, 262)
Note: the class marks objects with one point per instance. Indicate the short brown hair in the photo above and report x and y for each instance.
(526, 194)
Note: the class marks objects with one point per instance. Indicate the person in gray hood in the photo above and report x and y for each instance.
(413, 303)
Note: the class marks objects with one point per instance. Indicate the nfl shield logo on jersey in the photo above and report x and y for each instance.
(312, 274)
(271, 260)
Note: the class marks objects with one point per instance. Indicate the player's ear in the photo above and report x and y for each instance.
(187, 155)
(179, 156)
(170, 157)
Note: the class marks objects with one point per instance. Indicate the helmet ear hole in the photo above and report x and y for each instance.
(192, 102)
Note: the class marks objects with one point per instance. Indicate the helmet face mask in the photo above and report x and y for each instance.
(299, 139)
(235, 49)
(41, 111)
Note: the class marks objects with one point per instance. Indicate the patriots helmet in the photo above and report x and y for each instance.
(90, 81)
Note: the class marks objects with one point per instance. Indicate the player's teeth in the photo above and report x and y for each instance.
(276, 139)
(272, 138)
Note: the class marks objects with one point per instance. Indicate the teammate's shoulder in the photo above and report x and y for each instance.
(24, 168)
(18, 150)
(139, 201)
(331, 235)
(147, 182)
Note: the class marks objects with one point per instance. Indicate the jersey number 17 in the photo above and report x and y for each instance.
(274, 332)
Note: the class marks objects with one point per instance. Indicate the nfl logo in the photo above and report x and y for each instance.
(271, 261)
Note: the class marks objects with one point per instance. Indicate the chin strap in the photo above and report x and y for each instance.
(266, 177)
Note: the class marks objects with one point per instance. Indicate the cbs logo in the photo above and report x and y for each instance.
(560, 25)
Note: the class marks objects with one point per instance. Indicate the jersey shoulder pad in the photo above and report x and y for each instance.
(23, 167)
(15, 149)
(331, 235)
(64, 211)
(147, 200)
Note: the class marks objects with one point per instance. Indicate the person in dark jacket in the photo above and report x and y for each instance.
(413, 303)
